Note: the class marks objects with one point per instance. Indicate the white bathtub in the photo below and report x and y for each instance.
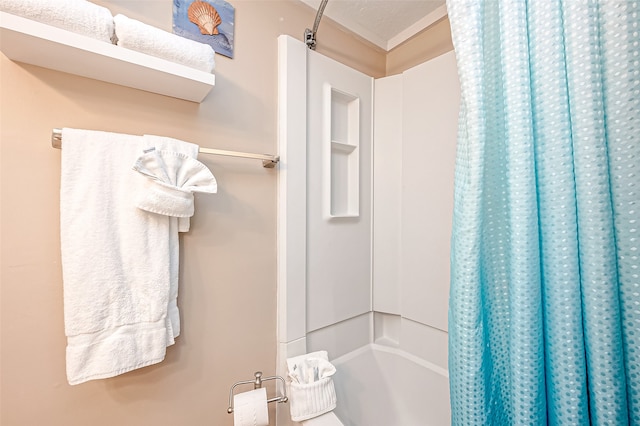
(381, 386)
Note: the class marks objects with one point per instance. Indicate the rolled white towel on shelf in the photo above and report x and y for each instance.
(136, 35)
(78, 16)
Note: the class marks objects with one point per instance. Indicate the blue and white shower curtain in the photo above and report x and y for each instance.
(544, 319)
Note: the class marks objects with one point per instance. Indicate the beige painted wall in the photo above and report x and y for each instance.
(432, 42)
(228, 259)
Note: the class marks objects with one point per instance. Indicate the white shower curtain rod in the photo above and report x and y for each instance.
(268, 161)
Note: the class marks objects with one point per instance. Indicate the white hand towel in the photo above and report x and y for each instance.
(179, 224)
(136, 35)
(79, 16)
(115, 264)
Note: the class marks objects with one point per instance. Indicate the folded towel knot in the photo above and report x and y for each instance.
(172, 178)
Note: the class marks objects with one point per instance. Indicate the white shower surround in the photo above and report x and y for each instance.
(404, 330)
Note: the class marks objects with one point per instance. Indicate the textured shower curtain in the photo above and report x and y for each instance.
(544, 318)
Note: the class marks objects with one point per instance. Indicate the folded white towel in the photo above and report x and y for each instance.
(136, 35)
(172, 178)
(175, 145)
(78, 16)
(115, 268)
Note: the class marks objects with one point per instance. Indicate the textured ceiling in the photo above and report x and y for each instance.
(385, 23)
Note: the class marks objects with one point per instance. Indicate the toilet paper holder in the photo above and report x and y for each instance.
(257, 384)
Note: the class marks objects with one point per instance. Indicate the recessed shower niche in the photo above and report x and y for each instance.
(342, 139)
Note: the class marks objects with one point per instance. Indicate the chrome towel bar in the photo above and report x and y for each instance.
(268, 161)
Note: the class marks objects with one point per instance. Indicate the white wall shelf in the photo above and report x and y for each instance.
(35, 43)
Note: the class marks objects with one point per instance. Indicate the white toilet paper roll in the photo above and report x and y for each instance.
(250, 408)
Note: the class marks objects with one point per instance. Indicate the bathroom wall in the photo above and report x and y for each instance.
(407, 119)
(415, 128)
(414, 159)
(228, 259)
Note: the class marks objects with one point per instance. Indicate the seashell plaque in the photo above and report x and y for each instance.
(206, 21)
(205, 16)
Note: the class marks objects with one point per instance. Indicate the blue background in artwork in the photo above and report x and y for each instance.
(221, 43)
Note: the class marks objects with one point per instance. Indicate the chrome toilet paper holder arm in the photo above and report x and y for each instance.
(257, 384)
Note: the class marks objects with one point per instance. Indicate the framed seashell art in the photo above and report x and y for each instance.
(206, 21)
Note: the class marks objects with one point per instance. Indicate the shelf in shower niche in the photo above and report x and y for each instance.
(35, 43)
(342, 147)
(342, 184)
(344, 181)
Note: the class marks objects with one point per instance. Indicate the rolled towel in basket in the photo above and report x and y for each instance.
(79, 16)
(136, 35)
(311, 389)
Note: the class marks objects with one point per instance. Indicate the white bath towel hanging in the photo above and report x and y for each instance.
(119, 262)
(114, 259)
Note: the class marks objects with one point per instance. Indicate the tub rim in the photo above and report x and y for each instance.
(391, 350)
